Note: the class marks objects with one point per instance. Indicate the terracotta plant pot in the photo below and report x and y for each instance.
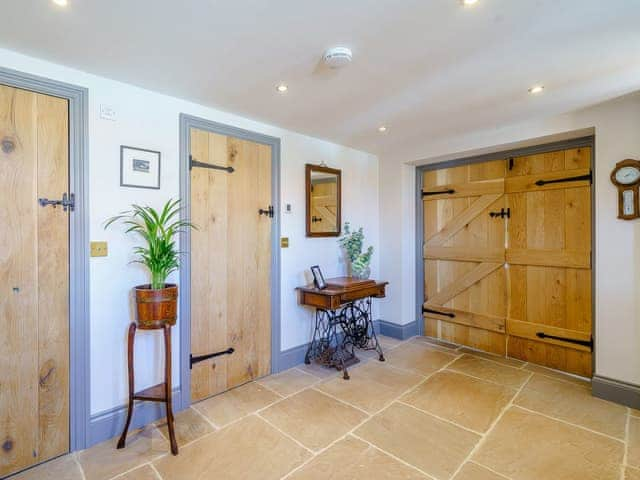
(156, 307)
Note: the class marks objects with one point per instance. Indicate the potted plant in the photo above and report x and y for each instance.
(352, 243)
(156, 302)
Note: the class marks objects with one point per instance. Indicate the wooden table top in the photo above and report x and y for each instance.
(340, 290)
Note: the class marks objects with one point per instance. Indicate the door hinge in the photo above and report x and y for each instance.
(446, 314)
(502, 213)
(439, 192)
(201, 358)
(268, 212)
(195, 163)
(578, 178)
(585, 343)
(68, 202)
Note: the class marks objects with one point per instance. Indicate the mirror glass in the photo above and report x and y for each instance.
(323, 201)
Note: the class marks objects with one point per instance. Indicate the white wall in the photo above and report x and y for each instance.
(617, 248)
(150, 120)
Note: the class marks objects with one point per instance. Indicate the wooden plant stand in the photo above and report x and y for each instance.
(158, 393)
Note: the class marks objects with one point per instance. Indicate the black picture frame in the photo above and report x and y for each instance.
(318, 278)
(158, 155)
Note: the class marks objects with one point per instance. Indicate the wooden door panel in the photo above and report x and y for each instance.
(549, 257)
(53, 279)
(34, 271)
(464, 255)
(208, 273)
(231, 262)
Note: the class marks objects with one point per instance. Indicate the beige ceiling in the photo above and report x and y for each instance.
(424, 68)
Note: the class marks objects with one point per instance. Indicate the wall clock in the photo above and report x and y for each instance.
(626, 176)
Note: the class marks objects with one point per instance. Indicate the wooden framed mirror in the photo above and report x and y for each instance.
(324, 201)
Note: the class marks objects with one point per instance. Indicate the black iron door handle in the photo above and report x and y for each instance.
(267, 212)
(68, 202)
(502, 213)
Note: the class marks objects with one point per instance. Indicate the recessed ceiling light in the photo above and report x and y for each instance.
(282, 88)
(61, 3)
(382, 129)
(468, 3)
(536, 89)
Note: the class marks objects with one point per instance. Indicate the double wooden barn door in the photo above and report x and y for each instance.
(34, 279)
(507, 256)
(230, 262)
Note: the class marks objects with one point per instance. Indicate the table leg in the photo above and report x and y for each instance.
(167, 384)
(131, 337)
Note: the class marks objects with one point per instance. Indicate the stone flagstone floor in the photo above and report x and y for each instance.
(430, 412)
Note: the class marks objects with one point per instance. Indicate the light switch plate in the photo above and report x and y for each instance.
(99, 249)
(284, 242)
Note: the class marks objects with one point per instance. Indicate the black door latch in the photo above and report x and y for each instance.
(68, 202)
(502, 213)
(268, 212)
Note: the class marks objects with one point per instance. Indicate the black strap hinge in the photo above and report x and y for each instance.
(578, 178)
(585, 343)
(439, 192)
(446, 314)
(201, 358)
(195, 163)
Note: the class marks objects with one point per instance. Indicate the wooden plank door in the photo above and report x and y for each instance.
(230, 262)
(549, 257)
(464, 252)
(324, 206)
(34, 280)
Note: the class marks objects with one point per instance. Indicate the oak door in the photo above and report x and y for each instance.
(465, 281)
(549, 257)
(34, 280)
(230, 262)
(324, 206)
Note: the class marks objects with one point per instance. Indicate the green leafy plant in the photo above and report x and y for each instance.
(158, 230)
(352, 242)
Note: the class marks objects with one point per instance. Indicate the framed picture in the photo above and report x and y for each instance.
(139, 168)
(318, 279)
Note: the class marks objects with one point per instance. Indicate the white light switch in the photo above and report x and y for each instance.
(107, 112)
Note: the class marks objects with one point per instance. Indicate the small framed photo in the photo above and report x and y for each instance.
(318, 279)
(139, 168)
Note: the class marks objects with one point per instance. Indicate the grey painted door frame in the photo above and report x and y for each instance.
(79, 354)
(187, 122)
(588, 141)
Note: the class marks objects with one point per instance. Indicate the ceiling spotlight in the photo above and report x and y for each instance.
(536, 89)
(468, 3)
(282, 88)
(382, 129)
(61, 3)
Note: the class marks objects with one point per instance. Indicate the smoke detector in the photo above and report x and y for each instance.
(337, 57)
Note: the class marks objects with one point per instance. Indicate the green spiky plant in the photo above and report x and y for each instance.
(158, 230)
(352, 242)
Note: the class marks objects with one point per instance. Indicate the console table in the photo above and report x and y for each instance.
(343, 321)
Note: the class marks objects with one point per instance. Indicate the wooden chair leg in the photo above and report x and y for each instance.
(167, 373)
(132, 334)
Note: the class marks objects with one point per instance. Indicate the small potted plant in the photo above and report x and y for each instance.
(156, 302)
(352, 243)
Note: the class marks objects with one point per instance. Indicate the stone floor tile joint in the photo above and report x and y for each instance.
(492, 426)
